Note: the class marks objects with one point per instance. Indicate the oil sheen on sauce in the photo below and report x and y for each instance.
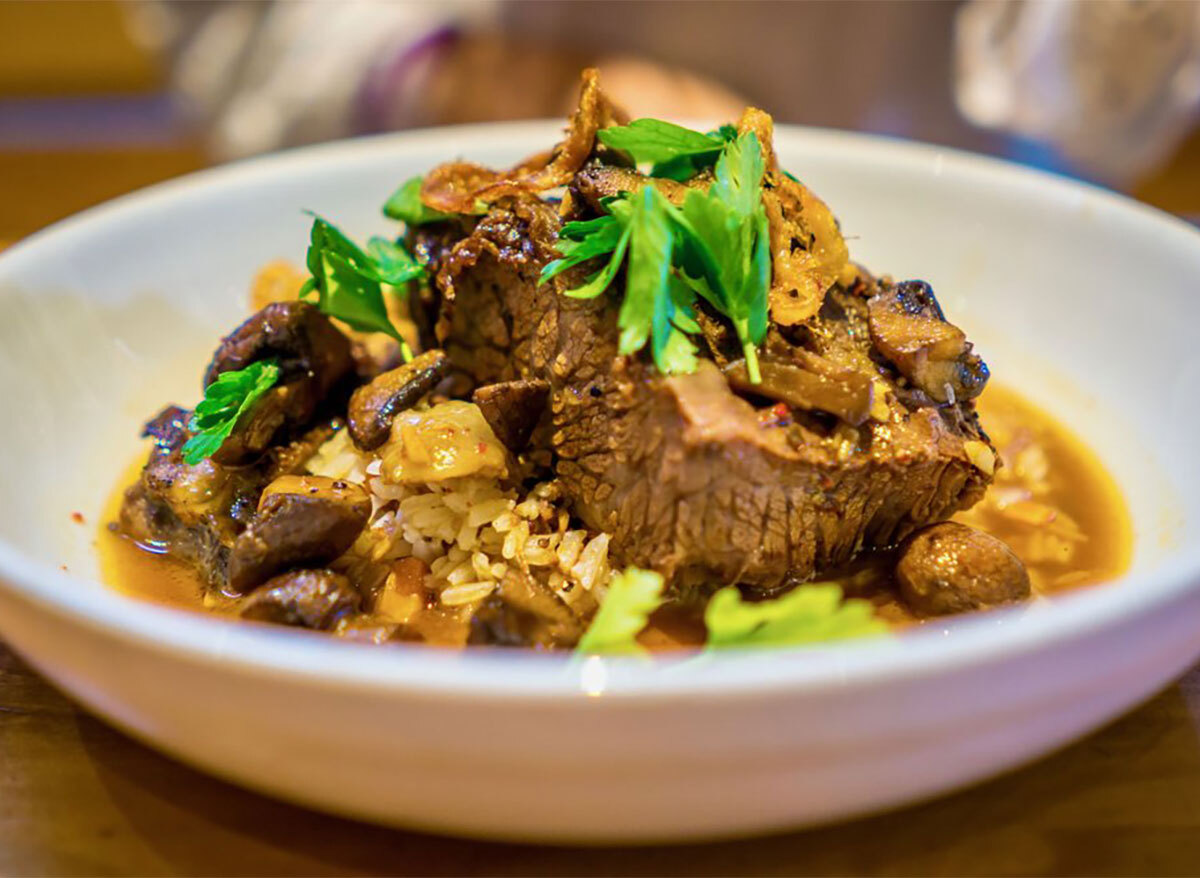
(1052, 502)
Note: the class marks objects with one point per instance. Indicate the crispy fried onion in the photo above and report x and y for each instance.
(808, 253)
(464, 187)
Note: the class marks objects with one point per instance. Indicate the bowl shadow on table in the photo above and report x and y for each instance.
(1123, 801)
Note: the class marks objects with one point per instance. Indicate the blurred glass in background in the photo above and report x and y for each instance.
(97, 97)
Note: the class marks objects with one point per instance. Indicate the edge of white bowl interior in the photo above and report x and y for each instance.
(496, 675)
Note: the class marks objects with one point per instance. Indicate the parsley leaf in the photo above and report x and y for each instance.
(225, 401)
(656, 304)
(674, 353)
(600, 281)
(393, 264)
(633, 594)
(676, 153)
(727, 258)
(653, 140)
(580, 241)
(684, 167)
(647, 277)
(717, 246)
(592, 238)
(347, 281)
(808, 614)
(726, 133)
(406, 206)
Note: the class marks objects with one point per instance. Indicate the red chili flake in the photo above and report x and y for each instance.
(77, 517)
(481, 448)
(775, 415)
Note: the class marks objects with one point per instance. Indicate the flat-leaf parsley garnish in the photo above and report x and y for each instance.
(715, 246)
(347, 281)
(225, 402)
(676, 153)
(807, 614)
(406, 206)
(815, 613)
(726, 256)
(633, 595)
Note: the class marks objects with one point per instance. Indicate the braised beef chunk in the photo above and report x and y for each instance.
(374, 406)
(168, 428)
(316, 599)
(490, 306)
(189, 511)
(302, 521)
(513, 409)
(313, 358)
(151, 522)
(688, 477)
(952, 568)
(196, 512)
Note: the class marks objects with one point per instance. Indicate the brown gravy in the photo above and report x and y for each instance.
(1052, 502)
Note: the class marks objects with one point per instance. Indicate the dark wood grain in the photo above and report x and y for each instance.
(77, 798)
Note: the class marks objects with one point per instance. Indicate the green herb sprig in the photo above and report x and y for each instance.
(807, 614)
(677, 153)
(816, 613)
(726, 257)
(405, 205)
(715, 246)
(225, 402)
(633, 595)
(347, 281)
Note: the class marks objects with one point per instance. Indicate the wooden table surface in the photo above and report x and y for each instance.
(78, 798)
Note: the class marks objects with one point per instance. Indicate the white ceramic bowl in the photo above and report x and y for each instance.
(1085, 301)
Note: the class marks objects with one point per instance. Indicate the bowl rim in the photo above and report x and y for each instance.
(494, 675)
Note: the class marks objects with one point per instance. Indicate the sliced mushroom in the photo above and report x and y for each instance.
(374, 406)
(951, 568)
(302, 521)
(823, 386)
(513, 409)
(315, 599)
(313, 357)
(908, 326)
(597, 181)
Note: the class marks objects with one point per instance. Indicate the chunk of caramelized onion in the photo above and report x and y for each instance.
(448, 441)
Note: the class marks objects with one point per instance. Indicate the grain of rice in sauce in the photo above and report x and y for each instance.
(471, 531)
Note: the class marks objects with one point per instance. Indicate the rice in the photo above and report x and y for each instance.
(471, 533)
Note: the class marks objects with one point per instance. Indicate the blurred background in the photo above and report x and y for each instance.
(97, 98)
